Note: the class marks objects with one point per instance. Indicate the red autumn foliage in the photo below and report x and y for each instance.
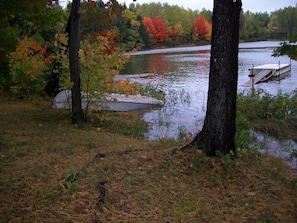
(156, 28)
(161, 31)
(48, 60)
(201, 28)
(147, 21)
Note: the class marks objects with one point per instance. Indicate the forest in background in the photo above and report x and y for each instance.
(194, 27)
(31, 33)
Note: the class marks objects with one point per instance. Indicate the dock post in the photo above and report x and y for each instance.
(279, 77)
(252, 76)
(290, 66)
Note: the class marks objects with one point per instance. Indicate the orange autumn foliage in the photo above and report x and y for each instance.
(29, 66)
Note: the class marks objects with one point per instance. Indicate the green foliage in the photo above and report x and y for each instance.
(254, 26)
(147, 41)
(182, 132)
(283, 23)
(243, 138)
(8, 40)
(287, 48)
(259, 105)
(280, 24)
(173, 16)
(49, 196)
(119, 123)
(29, 67)
(37, 20)
(42, 20)
(98, 16)
(70, 181)
(61, 43)
(99, 63)
(151, 91)
(228, 159)
(129, 30)
(129, 179)
(267, 113)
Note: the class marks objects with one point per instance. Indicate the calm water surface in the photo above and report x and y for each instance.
(182, 74)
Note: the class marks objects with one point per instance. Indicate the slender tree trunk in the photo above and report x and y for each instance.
(219, 128)
(74, 45)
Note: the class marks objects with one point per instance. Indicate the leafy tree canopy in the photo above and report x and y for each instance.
(287, 48)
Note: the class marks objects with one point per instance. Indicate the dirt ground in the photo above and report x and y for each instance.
(52, 171)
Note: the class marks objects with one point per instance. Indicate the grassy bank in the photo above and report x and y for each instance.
(103, 171)
(275, 115)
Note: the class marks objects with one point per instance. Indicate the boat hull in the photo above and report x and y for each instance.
(113, 102)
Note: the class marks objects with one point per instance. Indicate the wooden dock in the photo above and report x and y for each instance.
(267, 72)
(256, 79)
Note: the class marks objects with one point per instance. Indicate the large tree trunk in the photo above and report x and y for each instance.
(74, 44)
(219, 128)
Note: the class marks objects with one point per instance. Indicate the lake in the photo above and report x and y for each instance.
(182, 74)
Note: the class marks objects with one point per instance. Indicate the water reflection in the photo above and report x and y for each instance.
(182, 74)
(281, 149)
(157, 64)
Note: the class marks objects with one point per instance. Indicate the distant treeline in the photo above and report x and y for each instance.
(173, 25)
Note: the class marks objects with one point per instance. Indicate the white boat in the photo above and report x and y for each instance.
(113, 102)
(267, 72)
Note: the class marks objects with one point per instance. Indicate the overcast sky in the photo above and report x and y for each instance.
(251, 5)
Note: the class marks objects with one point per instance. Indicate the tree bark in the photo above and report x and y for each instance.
(219, 127)
(73, 27)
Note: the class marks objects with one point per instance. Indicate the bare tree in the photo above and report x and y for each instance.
(219, 127)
